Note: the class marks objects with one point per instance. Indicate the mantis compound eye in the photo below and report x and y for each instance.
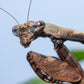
(37, 26)
(15, 30)
(40, 23)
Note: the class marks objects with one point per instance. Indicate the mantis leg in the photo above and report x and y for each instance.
(66, 55)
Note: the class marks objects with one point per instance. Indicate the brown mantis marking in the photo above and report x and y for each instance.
(51, 69)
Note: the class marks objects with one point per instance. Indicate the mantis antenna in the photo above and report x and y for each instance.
(9, 15)
(29, 10)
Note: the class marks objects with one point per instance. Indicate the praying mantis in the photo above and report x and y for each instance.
(51, 69)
